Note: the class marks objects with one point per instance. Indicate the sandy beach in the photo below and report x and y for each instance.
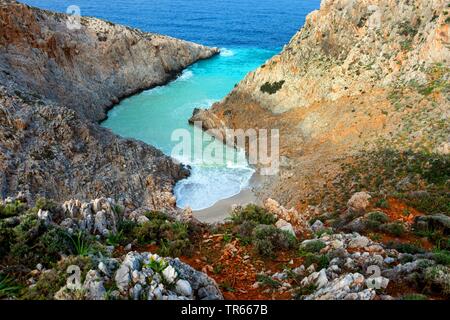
(222, 209)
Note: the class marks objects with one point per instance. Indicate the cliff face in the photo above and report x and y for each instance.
(357, 73)
(55, 84)
(88, 69)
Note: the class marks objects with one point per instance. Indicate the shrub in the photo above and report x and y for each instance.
(406, 247)
(272, 88)
(321, 260)
(438, 278)
(34, 242)
(172, 236)
(12, 209)
(395, 228)
(253, 213)
(8, 288)
(442, 257)
(50, 282)
(45, 204)
(268, 281)
(244, 231)
(378, 216)
(313, 246)
(268, 238)
(6, 239)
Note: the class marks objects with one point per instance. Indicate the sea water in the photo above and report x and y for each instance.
(249, 32)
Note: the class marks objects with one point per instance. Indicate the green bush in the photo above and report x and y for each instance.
(12, 209)
(442, 257)
(172, 236)
(320, 260)
(45, 204)
(50, 282)
(395, 228)
(406, 247)
(267, 239)
(244, 231)
(8, 288)
(272, 88)
(313, 246)
(378, 216)
(34, 242)
(253, 213)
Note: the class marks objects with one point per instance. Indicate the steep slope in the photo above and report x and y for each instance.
(88, 69)
(360, 77)
(56, 83)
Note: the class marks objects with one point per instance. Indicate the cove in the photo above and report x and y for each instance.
(154, 115)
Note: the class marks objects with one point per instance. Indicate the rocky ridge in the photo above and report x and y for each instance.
(359, 77)
(56, 83)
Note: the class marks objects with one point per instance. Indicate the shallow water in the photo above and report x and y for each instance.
(154, 115)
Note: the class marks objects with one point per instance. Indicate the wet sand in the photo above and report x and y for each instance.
(222, 209)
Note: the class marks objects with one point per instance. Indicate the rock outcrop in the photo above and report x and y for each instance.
(87, 69)
(356, 73)
(56, 83)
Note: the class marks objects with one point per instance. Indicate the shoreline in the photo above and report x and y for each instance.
(222, 209)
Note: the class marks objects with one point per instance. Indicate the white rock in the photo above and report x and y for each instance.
(317, 226)
(285, 226)
(322, 280)
(123, 278)
(359, 201)
(183, 288)
(169, 274)
(359, 242)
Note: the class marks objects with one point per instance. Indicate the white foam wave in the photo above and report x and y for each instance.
(185, 75)
(224, 52)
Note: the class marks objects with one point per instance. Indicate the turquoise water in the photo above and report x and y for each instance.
(152, 116)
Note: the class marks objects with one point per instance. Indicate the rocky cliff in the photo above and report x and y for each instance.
(88, 69)
(55, 83)
(359, 77)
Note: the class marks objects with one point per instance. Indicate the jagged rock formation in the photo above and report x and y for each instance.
(358, 72)
(55, 83)
(88, 69)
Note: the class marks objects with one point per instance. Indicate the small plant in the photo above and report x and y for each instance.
(268, 281)
(406, 247)
(267, 239)
(115, 239)
(442, 257)
(321, 260)
(252, 213)
(272, 88)
(7, 287)
(12, 209)
(226, 286)
(45, 204)
(378, 216)
(313, 246)
(395, 228)
(81, 246)
(217, 269)
(304, 291)
(382, 203)
(157, 265)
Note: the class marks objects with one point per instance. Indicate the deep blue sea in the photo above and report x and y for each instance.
(249, 32)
